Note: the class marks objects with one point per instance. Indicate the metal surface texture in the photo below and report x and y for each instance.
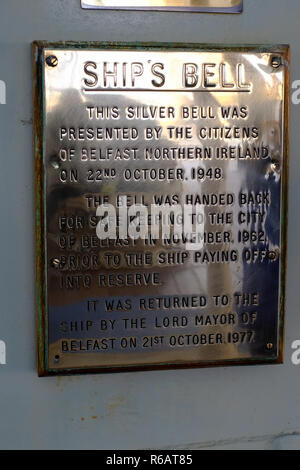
(219, 136)
(205, 6)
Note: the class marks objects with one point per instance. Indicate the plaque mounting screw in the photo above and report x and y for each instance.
(56, 358)
(270, 346)
(55, 263)
(52, 60)
(54, 163)
(275, 165)
(272, 255)
(276, 62)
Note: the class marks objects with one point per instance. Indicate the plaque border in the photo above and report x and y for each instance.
(38, 48)
(236, 9)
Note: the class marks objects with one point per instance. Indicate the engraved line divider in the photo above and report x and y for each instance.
(98, 90)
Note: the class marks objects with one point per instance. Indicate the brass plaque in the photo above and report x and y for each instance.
(161, 205)
(207, 6)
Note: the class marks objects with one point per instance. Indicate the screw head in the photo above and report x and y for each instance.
(55, 263)
(270, 346)
(275, 166)
(56, 358)
(52, 60)
(54, 163)
(272, 255)
(276, 62)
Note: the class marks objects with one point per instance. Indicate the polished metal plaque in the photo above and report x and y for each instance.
(161, 205)
(207, 6)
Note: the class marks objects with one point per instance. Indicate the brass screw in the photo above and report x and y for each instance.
(272, 255)
(270, 346)
(55, 165)
(276, 62)
(55, 263)
(275, 165)
(52, 60)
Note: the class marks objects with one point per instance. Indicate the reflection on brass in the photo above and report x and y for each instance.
(217, 6)
(201, 131)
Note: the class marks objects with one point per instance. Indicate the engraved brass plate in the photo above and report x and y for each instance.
(200, 132)
(208, 6)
